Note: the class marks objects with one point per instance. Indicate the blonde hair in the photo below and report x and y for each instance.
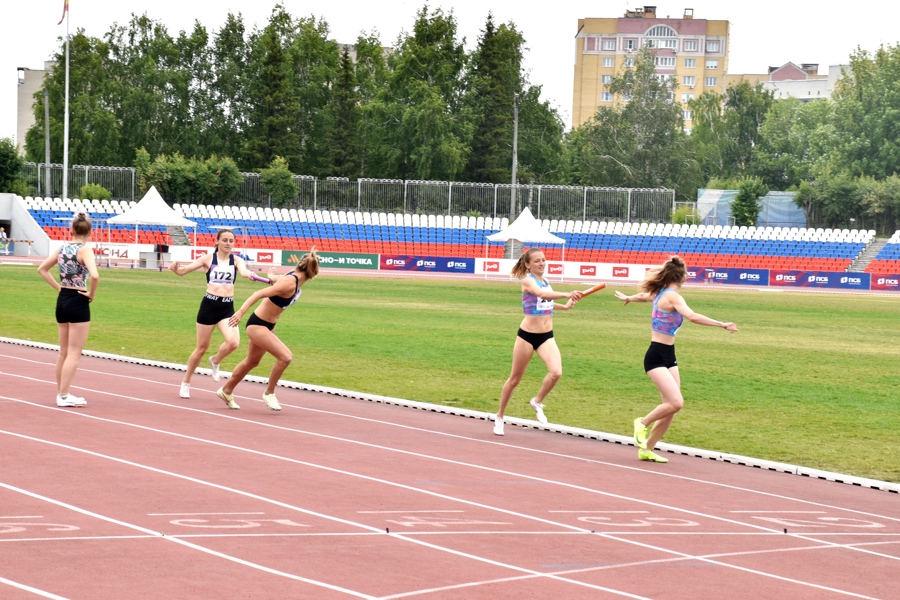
(81, 225)
(520, 269)
(309, 264)
(672, 271)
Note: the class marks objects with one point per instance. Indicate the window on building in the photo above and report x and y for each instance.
(687, 131)
(690, 63)
(605, 97)
(712, 64)
(664, 61)
(688, 80)
(609, 61)
(686, 114)
(661, 31)
(630, 45)
(712, 46)
(606, 79)
(710, 81)
(590, 44)
(628, 62)
(686, 98)
(690, 45)
(609, 44)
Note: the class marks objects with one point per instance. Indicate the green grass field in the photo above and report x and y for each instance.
(810, 379)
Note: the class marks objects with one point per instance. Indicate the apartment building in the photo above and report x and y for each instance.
(693, 52)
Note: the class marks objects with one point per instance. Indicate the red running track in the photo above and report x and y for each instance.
(144, 495)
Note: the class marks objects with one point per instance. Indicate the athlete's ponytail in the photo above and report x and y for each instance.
(81, 225)
(309, 264)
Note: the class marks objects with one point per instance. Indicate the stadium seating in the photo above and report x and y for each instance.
(461, 236)
(55, 216)
(888, 258)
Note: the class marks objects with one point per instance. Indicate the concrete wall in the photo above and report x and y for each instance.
(23, 226)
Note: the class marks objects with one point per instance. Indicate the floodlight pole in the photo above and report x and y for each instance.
(65, 174)
(515, 158)
(47, 192)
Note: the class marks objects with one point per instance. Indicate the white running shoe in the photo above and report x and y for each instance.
(185, 391)
(271, 401)
(228, 399)
(70, 400)
(538, 411)
(215, 369)
(498, 425)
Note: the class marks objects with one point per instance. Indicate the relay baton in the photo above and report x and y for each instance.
(596, 288)
(255, 277)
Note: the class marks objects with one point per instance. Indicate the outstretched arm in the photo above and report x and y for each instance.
(282, 286)
(640, 297)
(202, 262)
(681, 306)
(530, 285)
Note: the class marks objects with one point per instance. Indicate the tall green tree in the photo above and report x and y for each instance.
(727, 128)
(640, 141)
(343, 139)
(418, 117)
(229, 86)
(273, 106)
(495, 84)
(94, 129)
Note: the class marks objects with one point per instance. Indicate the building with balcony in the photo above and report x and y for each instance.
(693, 52)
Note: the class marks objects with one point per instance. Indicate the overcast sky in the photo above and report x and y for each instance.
(763, 33)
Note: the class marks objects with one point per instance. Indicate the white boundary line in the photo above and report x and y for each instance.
(474, 414)
(525, 573)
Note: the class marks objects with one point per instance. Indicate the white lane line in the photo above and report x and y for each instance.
(646, 472)
(33, 590)
(531, 517)
(161, 536)
(277, 503)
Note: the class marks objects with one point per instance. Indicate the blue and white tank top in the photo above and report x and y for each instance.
(72, 273)
(534, 305)
(665, 322)
(221, 274)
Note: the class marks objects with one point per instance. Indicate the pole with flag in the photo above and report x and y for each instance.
(65, 174)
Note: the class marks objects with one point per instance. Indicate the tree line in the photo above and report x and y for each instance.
(283, 97)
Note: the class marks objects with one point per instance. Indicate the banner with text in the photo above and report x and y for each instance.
(434, 264)
(334, 260)
(886, 281)
(722, 275)
(820, 279)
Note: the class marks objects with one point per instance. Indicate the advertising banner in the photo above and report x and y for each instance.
(820, 279)
(432, 264)
(886, 281)
(722, 275)
(334, 260)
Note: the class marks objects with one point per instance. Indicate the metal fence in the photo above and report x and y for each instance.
(459, 198)
(120, 181)
(400, 196)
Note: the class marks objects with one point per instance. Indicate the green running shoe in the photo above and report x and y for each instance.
(649, 455)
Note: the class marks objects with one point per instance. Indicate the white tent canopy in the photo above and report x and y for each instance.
(151, 210)
(526, 229)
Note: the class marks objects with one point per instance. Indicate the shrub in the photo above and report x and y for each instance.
(95, 191)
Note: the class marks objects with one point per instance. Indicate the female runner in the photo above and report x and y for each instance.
(75, 259)
(284, 291)
(535, 332)
(663, 288)
(217, 306)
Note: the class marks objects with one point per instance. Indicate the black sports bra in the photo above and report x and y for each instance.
(282, 302)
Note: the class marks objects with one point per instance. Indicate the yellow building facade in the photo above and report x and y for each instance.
(692, 52)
